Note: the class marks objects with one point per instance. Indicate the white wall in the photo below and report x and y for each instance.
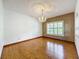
(19, 27)
(77, 26)
(1, 26)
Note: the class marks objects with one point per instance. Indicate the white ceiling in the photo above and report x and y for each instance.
(57, 7)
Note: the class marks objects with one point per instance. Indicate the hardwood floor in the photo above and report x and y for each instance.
(41, 48)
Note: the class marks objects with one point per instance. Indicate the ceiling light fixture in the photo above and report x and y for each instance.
(42, 9)
(42, 18)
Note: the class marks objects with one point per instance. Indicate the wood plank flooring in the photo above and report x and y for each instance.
(41, 48)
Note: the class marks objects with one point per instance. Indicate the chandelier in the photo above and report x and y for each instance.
(42, 9)
(42, 18)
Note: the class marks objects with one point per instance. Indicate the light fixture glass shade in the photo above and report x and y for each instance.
(42, 19)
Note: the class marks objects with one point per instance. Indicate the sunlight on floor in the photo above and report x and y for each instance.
(56, 49)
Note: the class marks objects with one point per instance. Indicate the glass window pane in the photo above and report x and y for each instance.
(48, 32)
(51, 25)
(47, 28)
(60, 24)
(55, 31)
(52, 31)
(60, 31)
(55, 24)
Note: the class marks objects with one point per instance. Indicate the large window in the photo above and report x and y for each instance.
(55, 28)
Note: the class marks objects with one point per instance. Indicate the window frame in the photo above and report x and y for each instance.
(62, 35)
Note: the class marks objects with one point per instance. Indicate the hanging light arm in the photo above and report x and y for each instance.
(42, 12)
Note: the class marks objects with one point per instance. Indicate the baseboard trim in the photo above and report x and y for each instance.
(59, 39)
(22, 41)
(76, 51)
(2, 52)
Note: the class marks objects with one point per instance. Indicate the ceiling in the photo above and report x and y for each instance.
(54, 7)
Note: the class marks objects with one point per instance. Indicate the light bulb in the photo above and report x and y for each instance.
(42, 19)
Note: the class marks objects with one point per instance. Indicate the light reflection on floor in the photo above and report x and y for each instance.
(56, 50)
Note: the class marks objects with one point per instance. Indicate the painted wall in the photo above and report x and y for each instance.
(19, 27)
(77, 26)
(1, 26)
(68, 26)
